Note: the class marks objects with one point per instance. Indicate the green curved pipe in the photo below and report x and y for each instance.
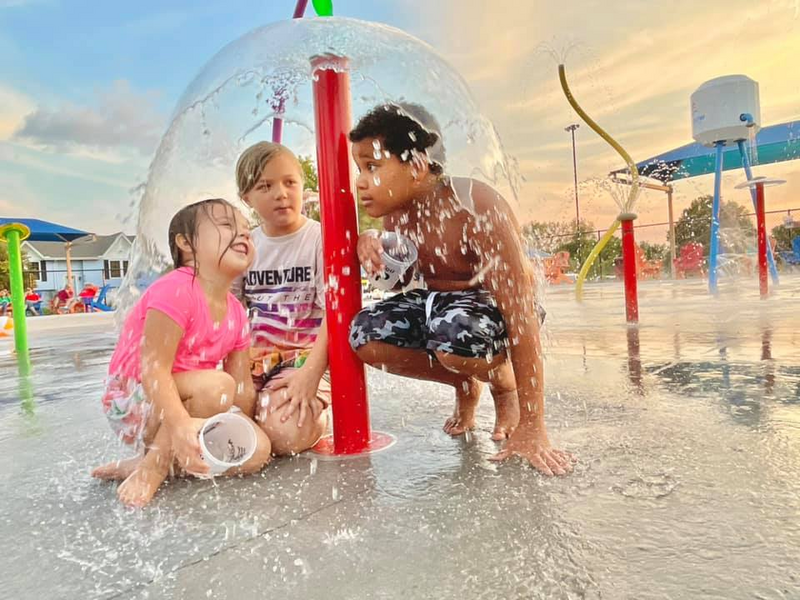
(598, 248)
(587, 264)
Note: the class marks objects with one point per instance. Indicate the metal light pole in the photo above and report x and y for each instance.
(572, 129)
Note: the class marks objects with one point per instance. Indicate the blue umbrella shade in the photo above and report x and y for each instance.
(776, 143)
(44, 231)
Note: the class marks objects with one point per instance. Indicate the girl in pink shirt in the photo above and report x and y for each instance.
(163, 380)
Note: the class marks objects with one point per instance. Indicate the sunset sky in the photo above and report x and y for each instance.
(86, 90)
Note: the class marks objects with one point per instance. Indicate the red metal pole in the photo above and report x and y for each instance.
(277, 122)
(277, 130)
(300, 9)
(351, 430)
(629, 267)
(763, 281)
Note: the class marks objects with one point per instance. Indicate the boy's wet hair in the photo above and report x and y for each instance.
(186, 222)
(251, 164)
(404, 129)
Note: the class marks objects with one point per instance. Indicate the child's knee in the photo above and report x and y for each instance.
(480, 367)
(287, 438)
(217, 395)
(261, 456)
(263, 453)
(451, 362)
(223, 390)
(372, 353)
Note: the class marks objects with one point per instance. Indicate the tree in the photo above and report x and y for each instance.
(547, 236)
(736, 227)
(783, 237)
(309, 173)
(4, 268)
(312, 184)
(580, 245)
(5, 274)
(654, 251)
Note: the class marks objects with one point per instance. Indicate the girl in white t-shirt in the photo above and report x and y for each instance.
(284, 290)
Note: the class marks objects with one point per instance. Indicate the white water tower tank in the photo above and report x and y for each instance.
(718, 106)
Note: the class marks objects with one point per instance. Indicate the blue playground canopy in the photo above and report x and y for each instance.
(776, 143)
(44, 231)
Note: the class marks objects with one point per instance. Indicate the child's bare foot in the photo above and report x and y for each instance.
(117, 470)
(141, 485)
(467, 395)
(506, 407)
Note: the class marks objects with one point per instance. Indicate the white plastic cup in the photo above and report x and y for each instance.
(227, 440)
(399, 255)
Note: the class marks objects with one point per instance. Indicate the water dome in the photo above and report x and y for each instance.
(232, 101)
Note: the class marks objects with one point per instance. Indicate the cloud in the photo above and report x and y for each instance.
(121, 118)
(632, 65)
(14, 106)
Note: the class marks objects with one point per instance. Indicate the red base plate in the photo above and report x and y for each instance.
(379, 441)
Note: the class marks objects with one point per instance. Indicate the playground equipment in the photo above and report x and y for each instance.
(625, 218)
(690, 261)
(351, 427)
(13, 234)
(727, 110)
(93, 303)
(6, 327)
(792, 258)
(230, 105)
(764, 249)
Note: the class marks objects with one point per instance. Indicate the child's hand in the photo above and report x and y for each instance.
(186, 446)
(370, 249)
(296, 391)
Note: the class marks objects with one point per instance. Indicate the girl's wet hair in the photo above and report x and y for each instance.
(253, 160)
(403, 129)
(186, 222)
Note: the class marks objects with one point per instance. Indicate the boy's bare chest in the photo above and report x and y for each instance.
(443, 247)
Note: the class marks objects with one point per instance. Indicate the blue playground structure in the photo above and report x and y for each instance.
(792, 258)
(98, 302)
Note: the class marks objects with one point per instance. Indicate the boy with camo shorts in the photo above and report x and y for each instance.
(477, 320)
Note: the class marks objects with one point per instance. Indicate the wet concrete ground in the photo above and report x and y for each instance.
(687, 430)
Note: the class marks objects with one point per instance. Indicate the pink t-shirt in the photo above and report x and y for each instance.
(204, 343)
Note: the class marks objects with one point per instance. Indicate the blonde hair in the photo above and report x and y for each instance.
(253, 160)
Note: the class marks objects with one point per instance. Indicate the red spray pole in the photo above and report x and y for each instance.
(351, 428)
(761, 224)
(629, 267)
(759, 183)
(351, 432)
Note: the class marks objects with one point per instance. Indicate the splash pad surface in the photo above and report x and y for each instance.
(688, 483)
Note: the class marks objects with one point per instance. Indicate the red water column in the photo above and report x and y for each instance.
(629, 268)
(761, 226)
(331, 86)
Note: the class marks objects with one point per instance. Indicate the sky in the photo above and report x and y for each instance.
(87, 89)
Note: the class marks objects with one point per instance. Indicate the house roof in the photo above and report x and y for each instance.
(87, 247)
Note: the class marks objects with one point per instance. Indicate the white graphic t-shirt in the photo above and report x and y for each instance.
(285, 289)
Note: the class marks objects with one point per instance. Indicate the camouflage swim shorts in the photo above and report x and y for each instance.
(464, 323)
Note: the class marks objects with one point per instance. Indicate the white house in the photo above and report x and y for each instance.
(101, 260)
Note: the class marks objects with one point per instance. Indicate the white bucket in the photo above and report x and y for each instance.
(227, 440)
(399, 255)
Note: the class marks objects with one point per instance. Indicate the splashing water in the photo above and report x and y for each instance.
(752, 146)
(232, 101)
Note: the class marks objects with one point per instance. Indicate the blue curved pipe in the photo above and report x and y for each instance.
(714, 250)
(749, 173)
